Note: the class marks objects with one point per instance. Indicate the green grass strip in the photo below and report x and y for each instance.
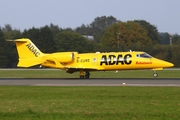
(26, 73)
(89, 103)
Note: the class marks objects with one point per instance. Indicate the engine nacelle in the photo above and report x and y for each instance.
(63, 57)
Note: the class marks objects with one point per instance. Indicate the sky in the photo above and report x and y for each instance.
(25, 14)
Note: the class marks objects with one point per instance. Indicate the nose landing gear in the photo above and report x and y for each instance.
(155, 74)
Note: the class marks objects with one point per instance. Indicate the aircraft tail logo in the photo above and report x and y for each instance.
(29, 54)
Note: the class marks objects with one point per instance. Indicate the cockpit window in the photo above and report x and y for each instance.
(144, 55)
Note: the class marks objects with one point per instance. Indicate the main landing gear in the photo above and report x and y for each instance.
(87, 74)
(155, 74)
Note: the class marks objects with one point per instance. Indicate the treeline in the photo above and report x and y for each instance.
(103, 34)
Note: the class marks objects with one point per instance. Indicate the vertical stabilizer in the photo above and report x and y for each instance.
(29, 54)
(26, 49)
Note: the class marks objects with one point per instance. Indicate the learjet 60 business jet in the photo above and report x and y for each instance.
(84, 63)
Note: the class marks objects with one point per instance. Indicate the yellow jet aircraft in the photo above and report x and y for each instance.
(30, 55)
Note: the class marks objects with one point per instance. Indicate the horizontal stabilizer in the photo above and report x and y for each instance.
(29, 62)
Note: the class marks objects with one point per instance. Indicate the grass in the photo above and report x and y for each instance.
(89, 103)
(27, 73)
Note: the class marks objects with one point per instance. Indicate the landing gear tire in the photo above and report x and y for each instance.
(155, 75)
(87, 75)
(81, 76)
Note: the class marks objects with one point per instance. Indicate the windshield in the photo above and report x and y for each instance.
(144, 55)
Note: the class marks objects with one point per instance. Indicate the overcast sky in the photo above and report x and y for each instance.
(24, 14)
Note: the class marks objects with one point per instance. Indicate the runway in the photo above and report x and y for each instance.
(89, 82)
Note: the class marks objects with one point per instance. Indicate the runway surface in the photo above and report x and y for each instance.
(89, 82)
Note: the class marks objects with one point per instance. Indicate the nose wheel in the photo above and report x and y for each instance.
(155, 74)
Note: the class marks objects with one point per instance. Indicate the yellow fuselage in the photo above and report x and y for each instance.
(114, 61)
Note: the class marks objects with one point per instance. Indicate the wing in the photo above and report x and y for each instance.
(72, 69)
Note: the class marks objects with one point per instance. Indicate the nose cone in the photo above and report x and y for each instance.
(168, 64)
(162, 64)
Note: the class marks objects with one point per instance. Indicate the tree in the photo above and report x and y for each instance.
(11, 54)
(3, 50)
(33, 34)
(72, 41)
(125, 35)
(9, 47)
(7, 28)
(46, 40)
(43, 38)
(97, 27)
(55, 29)
(175, 55)
(164, 38)
(160, 51)
(176, 39)
(151, 29)
(10, 33)
(101, 23)
(84, 30)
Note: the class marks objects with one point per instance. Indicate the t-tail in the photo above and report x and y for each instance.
(29, 54)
